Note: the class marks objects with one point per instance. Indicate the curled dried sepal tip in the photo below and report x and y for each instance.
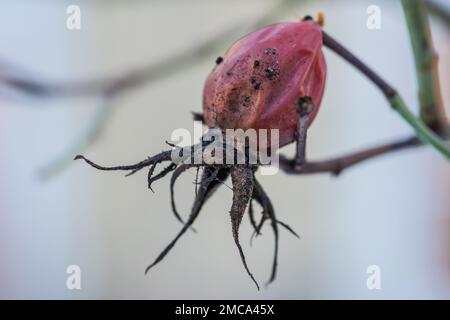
(320, 20)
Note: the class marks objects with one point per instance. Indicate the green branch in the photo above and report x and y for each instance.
(431, 105)
(423, 132)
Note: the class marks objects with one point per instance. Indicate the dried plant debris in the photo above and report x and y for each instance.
(245, 188)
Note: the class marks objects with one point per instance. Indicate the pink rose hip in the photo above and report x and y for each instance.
(258, 81)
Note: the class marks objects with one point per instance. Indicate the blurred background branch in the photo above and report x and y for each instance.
(30, 85)
(107, 89)
(439, 10)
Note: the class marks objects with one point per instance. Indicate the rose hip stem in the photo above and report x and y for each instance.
(425, 134)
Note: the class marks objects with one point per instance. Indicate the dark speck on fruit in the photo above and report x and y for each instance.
(271, 51)
(255, 83)
(219, 60)
(270, 73)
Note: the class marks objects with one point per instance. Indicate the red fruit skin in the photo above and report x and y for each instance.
(261, 77)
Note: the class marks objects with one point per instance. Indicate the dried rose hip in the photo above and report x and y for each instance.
(258, 81)
(270, 79)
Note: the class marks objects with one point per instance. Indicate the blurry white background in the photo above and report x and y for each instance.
(392, 212)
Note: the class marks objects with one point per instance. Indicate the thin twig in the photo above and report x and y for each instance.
(337, 165)
(90, 134)
(304, 108)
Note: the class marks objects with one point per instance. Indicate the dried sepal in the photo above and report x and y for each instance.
(243, 182)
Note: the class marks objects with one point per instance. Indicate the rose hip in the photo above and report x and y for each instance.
(258, 81)
(272, 78)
